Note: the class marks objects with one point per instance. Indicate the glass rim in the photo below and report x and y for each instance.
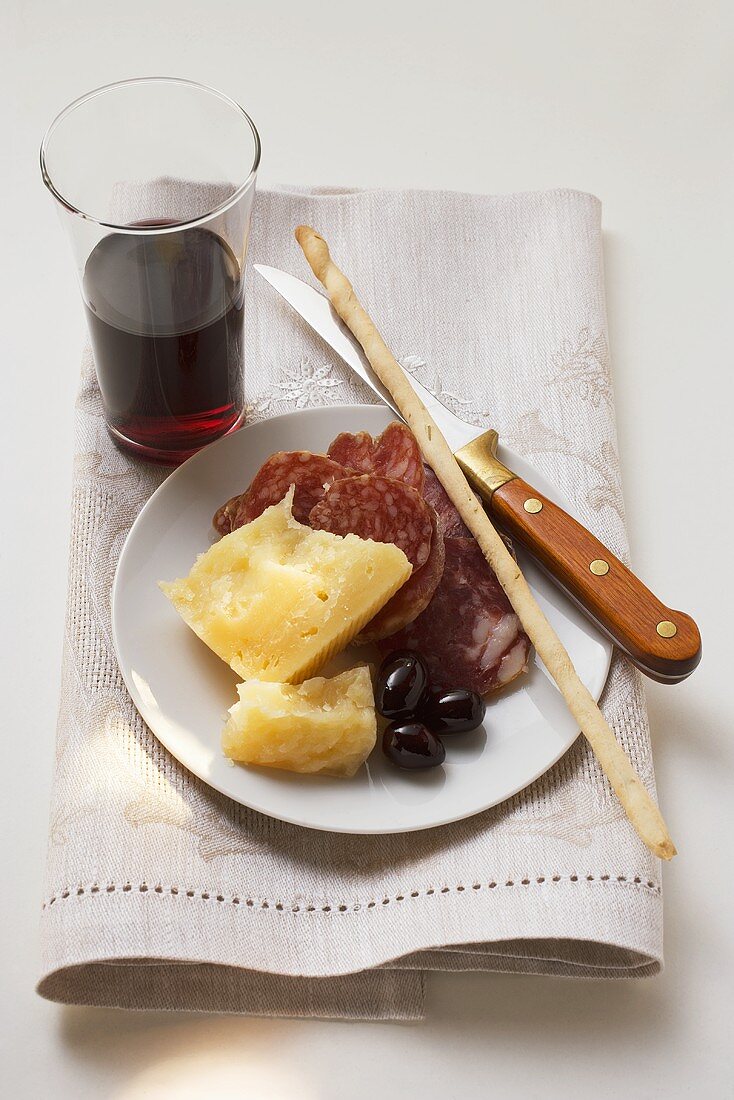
(240, 189)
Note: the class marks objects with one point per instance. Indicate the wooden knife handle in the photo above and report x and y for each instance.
(664, 644)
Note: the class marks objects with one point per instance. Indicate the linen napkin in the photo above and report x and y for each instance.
(161, 893)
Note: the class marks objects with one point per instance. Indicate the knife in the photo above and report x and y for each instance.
(664, 644)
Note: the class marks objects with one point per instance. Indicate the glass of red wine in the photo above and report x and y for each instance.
(154, 181)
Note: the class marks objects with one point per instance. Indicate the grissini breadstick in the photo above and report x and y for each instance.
(638, 805)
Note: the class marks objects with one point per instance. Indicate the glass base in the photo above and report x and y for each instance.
(164, 456)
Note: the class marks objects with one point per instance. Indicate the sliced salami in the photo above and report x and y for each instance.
(468, 635)
(312, 474)
(378, 508)
(353, 449)
(414, 596)
(224, 517)
(451, 523)
(394, 454)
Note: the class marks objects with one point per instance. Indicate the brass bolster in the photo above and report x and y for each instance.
(483, 469)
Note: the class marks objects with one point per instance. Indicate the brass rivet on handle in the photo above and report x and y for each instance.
(666, 629)
(599, 567)
(533, 505)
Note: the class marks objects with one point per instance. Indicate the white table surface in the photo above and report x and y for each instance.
(632, 101)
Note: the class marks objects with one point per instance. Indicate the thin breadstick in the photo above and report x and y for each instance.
(638, 805)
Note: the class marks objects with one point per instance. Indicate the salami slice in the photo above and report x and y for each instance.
(414, 596)
(394, 454)
(353, 449)
(224, 517)
(451, 523)
(468, 635)
(378, 508)
(312, 474)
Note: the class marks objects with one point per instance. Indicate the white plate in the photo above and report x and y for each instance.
(183, 691)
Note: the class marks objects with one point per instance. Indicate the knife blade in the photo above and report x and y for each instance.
(663, 643)
(317, 312)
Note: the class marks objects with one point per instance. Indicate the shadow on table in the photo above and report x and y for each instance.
(472, 1018)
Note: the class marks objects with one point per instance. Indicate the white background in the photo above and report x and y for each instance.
(630, 100)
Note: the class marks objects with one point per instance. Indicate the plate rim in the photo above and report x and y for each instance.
(509, 456)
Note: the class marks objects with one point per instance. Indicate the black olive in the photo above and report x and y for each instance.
(412, 745)
(401, 686)
(456, 710)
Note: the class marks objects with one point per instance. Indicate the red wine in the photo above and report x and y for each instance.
(165, 314)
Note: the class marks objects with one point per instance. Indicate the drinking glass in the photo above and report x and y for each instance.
(154, 181)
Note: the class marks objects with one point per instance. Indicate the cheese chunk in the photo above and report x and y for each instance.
(325, 726)
(275, 599)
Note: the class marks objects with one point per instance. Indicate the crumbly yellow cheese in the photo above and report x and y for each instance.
(275, 599)
(325, 726)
